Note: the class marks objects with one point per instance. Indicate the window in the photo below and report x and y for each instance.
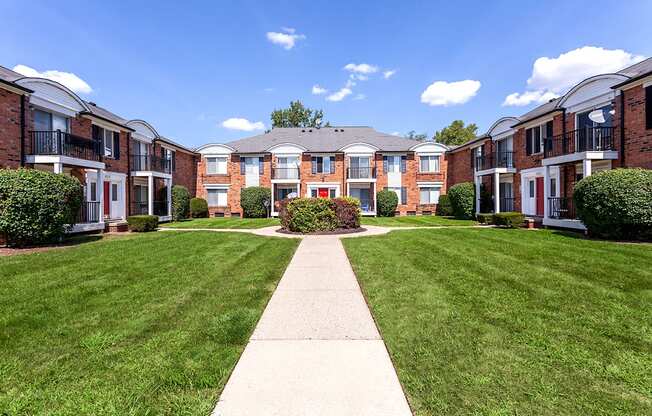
(216, 197)
(648, 107)
(429, 195)
(553, 187)
(531, 189)
(401, 193)
(282, 192)
(170, 158)
(216, 165)
(44, 121)
(428, 164)
(323, 192)
(394, 163)
(110, 139)
(252, 166)
(114, 192)
(323, 164)
(93, 192)
(533, 140)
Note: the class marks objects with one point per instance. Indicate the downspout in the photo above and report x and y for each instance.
(562, 171)
(22, 130)
(128, 207)
(622, 128)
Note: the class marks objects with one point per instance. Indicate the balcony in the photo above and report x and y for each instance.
(361, 173)
(59, 143)
(506, 204)
(89, 212)
(494, 161)
(150, 163)
(161, 208)
(561, 209)
(139, 208)
(594, 139)
(285, 173)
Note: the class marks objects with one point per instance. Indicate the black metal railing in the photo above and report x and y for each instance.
(161, 208)
(88, 212)
(361, 173)
(495, 160)
(151, 163)
(561, 208)
(285, 173)
(581, 140)
(139, 208)
(506, 204)
(59, 143)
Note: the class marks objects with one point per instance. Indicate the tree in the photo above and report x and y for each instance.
(457, 133)
(297, 115)
(414, 136)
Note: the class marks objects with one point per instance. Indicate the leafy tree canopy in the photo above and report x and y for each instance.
(457, 133)
(413, 135)
(297, 115)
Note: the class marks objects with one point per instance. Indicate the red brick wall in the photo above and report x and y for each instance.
(120, 165)
(638, 139)
(307, 176)
(185, 171)
(10, 156)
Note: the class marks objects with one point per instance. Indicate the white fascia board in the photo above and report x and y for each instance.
(36, 101)
(429, 184)
(217, 186)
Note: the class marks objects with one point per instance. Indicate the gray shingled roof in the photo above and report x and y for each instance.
(638, 69)
(7, 74)
(106, 114)
(325, 139)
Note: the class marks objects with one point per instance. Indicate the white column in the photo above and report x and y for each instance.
(546, 191)
(496, 192)
(477, 194)
(375, 192)
(586, 166)
(58, 168)
(100, 192)
(150, 195)
(123, 201)
(169, 189)
(271, 203)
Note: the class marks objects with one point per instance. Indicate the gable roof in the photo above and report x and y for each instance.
(636, 72)
(325, 139)
(103, 113)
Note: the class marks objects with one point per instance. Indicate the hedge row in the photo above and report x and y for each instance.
(307, 215)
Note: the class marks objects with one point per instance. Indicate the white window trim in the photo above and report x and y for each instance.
(429, 156)
(217, 172)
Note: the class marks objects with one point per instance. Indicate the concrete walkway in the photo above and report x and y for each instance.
(316, 349)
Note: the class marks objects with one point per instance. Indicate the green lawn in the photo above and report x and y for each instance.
(415, 221)
(512, 322)
(138, 325)
(224, 223)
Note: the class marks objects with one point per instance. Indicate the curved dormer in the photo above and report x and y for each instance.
(502, 128)
(53, 96)
(143, 130)
(592, 91)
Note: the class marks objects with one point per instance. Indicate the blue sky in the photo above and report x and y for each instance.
(189, 68)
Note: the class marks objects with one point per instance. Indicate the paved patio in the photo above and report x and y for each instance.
(316, 349)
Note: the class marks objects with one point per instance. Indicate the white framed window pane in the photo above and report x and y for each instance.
(424, 196)
(313, 193)
(93, 195)
(216, 197)
(553, 187)
(435, 163)
(397, 191)
(434, 195)
(331, 192)
(221, 165)
(42, 120)
(59, 123)
(211, 165)
(326, 165)
(114, 192)
(108, 142)
(531, 189)
(221, 198)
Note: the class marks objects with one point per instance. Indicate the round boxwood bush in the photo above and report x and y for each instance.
(347, 211)
(308, 215)
(37, 206)
(252, 201)
(387, 201)
(180, 203)
(462, 197)
(142, 223)
(444, 207)
(616, 203)
(508, 219)
(198, 208)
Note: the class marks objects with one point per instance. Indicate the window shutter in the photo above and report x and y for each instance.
(96, 132)
(261, 165)
(528, 142)
(116, 145)
(332, 164)
(314, 165)
(174, 161)
(385, 167)
(403, 164)
(403, 195)
(549, 133)
(549, 129)
(648, 107)
(242, 166)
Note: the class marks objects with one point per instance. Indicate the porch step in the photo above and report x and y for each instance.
(116, 227)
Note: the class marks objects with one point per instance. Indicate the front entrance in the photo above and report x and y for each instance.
(322, 192)
(540, 197)
(107, 202)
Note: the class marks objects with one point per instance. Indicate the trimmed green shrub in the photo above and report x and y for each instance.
(180, 203)
(509, 219)
(347, 211)
(616, 203)
(252, 201)
(198, 208)
(307, 215)
(37, 206)
(484, 218)
(142, 223)
(387, 201)
(444, 207)
(462, 197)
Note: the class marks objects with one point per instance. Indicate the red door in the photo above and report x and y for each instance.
(540, 197)
(107, 198)
(322, 192)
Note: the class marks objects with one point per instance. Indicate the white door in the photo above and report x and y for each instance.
(529, 199)
(117, 204)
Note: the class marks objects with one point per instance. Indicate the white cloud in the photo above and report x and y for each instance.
(242, 124)
(287, 39)
(389, 73)
(67, 79)
(554, 76)
(317, 90)
(361, 68)
(395, 133)
(339, 95)
(350, 83)
(359, 77)
(360, 97)
(450, 93)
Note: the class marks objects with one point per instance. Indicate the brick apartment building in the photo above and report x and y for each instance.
(528, 163)
(125, 167)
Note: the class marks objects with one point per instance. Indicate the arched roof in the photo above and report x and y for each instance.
(602, 81)
(143, 128)
(53, 92)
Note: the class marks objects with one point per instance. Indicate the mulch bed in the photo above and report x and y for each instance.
(333, 232)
